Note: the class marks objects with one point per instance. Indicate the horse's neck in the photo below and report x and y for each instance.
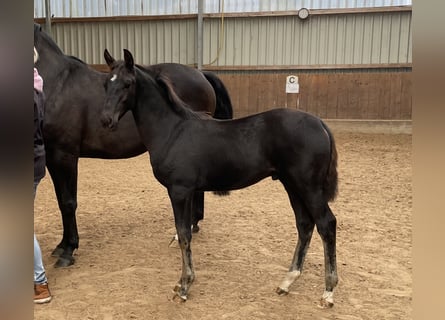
(154, 117)
(56, 70)
(51, 64)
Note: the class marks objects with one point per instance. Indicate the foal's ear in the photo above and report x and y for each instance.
(128, 57)
(108, 58)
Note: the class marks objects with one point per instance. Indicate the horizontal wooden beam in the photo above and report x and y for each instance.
(310, 67)
(55, 20)
(104, 67)
(311, 12)
(117, 18)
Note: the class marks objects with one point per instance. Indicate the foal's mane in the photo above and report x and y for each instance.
(176, 103)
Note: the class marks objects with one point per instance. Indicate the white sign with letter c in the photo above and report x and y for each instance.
(292, 85)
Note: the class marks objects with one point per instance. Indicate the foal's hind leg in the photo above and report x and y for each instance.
(305, 227)
(326, 226)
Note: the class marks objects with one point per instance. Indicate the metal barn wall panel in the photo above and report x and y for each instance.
(106, 8)
(273, 5)
(150, 41)
(373, 38)
(103, 8)
(349, 39)
(349, 43)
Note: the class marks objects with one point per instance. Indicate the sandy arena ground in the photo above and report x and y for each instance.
(126, 270)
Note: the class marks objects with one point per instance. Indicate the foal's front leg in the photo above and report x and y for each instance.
(197, 213)
(182, 200)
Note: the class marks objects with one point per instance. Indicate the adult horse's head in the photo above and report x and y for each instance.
(120, 88)
(37, 30)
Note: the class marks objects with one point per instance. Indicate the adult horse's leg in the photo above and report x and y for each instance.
(63, 170)
(197, 210)
(223, 110)
(305, 227)
(182, 203)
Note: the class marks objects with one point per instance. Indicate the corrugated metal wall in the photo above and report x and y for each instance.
(102, 8)
(150, 41)
(372, 38)
(348, 39)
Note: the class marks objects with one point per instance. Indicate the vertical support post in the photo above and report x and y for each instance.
(200, 34)
(48, 17)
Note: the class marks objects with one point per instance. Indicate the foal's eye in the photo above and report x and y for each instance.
(127, 84)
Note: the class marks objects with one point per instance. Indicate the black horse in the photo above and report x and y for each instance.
(75, 96)
(189, 154)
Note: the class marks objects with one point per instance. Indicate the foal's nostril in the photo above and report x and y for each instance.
(112, 126)
(106, 121)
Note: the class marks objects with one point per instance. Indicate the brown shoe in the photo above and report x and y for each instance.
(42, 293)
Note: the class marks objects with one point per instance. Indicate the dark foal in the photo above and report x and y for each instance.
(190, 154)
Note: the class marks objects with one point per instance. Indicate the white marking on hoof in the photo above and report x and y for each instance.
(183, 298)
(291, 276)
(179, 299)
(114, 77)
(327, 301)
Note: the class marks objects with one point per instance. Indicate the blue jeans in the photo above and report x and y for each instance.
(39, 269)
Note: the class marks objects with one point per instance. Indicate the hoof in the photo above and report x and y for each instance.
(57, 252)
(179, 295)
(327, 300)
(281, 291)
(64, 261)
(325, 304)
(179, 299)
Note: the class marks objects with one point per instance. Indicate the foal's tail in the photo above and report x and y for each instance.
(224, 109)
(330, 187)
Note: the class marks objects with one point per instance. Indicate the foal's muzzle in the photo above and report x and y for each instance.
(108, 122)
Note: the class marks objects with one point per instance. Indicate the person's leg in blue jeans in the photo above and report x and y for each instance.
(41, 290)
(39, 270)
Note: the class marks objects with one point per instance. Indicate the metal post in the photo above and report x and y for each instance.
(200, 34)
(48, 17)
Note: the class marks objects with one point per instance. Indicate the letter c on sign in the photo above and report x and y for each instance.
(292, 80)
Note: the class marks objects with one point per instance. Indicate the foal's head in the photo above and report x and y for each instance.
(120, 88)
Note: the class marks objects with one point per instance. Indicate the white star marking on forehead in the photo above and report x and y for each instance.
(114, 77)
